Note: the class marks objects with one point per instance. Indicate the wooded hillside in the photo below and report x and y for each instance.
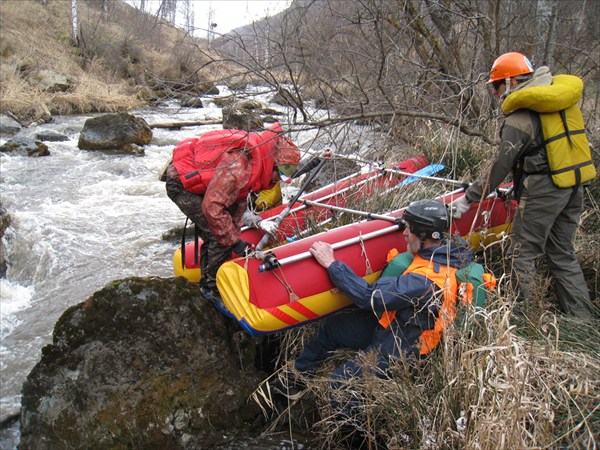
(123, 58)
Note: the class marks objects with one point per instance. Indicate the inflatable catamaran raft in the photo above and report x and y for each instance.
(302, 214)
(289, 288)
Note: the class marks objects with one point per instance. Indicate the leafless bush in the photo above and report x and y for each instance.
(413, 65)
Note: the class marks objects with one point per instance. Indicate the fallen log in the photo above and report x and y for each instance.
(179, 125)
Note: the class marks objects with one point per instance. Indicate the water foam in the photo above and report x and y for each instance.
(13, 298)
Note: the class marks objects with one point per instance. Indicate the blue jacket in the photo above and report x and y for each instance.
(410, 295)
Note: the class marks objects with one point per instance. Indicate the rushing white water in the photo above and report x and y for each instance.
(81, 219)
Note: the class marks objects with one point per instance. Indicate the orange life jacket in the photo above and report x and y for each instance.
(197, 158)
(445, 280)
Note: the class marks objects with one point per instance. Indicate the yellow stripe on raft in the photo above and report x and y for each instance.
(233, 285)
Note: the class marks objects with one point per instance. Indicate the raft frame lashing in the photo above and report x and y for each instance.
(363, 252)
(284, 282)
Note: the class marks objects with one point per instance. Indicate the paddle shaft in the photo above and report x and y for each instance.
(348, 210)
(464, 184)
(287, 210)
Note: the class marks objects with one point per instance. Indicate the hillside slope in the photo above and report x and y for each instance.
(121, 62)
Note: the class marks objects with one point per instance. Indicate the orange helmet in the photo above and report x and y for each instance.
(510, 65)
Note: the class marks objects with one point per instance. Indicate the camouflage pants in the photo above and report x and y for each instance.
(212, 253)
(545, 224)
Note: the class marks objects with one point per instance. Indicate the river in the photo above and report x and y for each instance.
(81, 219)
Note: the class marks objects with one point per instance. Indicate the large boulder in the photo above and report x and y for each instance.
(118, 131)
(143, 363)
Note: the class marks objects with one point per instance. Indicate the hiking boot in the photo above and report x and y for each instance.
(216, 299)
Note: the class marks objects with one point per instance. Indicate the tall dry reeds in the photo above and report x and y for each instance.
(486, 387)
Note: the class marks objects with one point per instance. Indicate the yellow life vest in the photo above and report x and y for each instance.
(567, 147)
(269, 198)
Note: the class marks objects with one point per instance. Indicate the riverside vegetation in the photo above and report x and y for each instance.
(505, 382)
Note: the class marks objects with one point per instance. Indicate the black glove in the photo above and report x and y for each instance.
(241, 247)
(401, 223)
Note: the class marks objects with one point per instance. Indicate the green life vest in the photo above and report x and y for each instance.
(567, 147)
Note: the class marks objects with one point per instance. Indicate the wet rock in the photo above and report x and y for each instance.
(238, 85)
(23, 145)
(143, 363)
(189, 101)
(5, 221)
(8, 125)
(51, 136)
(286, 98)
(222, 102)
(243, 115)
(114, 132)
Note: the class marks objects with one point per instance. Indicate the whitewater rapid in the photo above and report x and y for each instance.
(81, 219)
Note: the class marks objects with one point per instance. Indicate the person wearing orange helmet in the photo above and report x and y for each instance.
(508, 67)
(211, 179)
(544, 145)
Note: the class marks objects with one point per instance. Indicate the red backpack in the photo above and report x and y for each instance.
(197, 158)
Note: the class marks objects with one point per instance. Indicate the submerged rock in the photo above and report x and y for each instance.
(22, 145)
(8, 125)
(243, 115)
(5, 221)
(143, 363)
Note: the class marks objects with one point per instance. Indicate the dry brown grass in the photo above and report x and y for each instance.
(28, 47)
(115, 67)
(486, 387)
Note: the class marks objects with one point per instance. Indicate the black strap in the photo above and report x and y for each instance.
(183, 243)
(196, 243)
(563, 116)
(196, 236)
